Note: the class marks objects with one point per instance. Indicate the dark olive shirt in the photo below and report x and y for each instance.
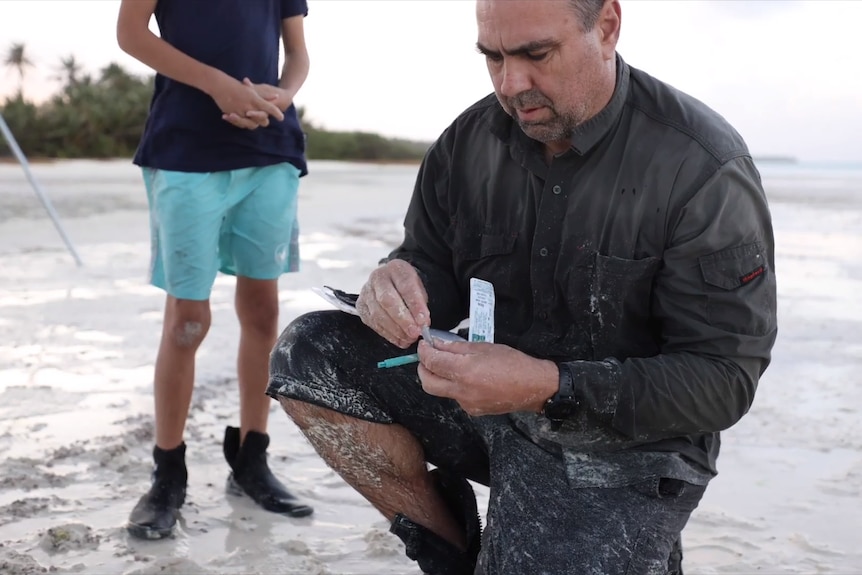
(641, 260)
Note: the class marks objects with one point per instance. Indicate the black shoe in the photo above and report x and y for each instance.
(435, 555)
(252, 476)
(674, 563)
(155, 515)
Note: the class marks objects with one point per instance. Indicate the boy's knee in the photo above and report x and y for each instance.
(187, 323)
(259, 316)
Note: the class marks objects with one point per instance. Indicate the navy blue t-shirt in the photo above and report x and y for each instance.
(184, 130)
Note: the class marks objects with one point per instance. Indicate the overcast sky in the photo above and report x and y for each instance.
(786, 74)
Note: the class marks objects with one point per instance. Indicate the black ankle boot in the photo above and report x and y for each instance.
(674, 564)
(155, 515)
(435, 555)
(251, 475)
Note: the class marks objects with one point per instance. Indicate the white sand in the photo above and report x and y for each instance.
(76, 353)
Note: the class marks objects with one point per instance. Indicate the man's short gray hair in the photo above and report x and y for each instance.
(588, 11)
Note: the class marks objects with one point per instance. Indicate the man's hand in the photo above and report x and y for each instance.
(241, 105)
(393, 302)
(486, 378)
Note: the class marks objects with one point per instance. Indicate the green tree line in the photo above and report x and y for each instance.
(102, 116)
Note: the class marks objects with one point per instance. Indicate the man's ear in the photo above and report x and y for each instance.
(609, 23)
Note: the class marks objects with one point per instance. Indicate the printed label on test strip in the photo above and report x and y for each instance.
(481, 311)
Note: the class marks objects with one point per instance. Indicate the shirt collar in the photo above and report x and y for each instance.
(587, 134)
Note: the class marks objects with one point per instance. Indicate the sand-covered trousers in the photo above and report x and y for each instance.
(537, 521)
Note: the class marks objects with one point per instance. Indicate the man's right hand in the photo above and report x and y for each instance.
(241, 105)
(393, 302)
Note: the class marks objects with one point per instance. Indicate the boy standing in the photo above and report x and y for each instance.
(222, 153)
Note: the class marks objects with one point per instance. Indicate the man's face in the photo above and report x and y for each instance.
(545, 68)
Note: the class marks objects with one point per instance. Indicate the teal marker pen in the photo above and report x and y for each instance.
(400, 360)
(407, 359)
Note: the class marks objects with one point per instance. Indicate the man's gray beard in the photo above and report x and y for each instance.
(558, 129)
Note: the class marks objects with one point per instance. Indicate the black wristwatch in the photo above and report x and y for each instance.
(563, 404)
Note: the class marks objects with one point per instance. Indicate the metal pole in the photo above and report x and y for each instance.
(13, 144)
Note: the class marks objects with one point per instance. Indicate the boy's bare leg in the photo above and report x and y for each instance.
(186, 323)
(256, 305)
(383, 462)
(245, 448)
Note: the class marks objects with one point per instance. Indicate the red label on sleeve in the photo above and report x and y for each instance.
(752, 275)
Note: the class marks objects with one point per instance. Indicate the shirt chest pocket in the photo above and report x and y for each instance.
(620, 292)
(484, 253)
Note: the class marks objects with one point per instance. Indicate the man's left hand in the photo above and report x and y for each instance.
(486, 378)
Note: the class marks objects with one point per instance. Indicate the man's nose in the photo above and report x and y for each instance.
(516, 78)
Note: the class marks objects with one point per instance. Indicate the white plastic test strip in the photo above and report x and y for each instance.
(481, 311)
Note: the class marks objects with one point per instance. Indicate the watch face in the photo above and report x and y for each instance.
(561, 409)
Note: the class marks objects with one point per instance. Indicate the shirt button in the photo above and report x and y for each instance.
(557, 190)
(543, 252)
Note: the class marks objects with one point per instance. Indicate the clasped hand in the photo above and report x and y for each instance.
(484, 378)
(248, 105)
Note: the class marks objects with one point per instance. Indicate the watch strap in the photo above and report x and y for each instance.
(566, 390)
(565, 395)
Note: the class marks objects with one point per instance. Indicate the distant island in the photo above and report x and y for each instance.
(102, 116)
(775, 160)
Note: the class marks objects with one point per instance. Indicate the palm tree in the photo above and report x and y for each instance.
(68, 72)
(17, 59)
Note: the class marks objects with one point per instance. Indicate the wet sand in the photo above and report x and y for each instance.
(77, 347)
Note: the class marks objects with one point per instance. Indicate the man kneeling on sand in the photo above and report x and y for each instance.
(627, 239)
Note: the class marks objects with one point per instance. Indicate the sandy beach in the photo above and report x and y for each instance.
(77, 346)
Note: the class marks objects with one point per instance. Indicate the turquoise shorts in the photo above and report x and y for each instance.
(240, 222)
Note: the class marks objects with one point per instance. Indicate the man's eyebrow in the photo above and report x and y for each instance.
(522, 50)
